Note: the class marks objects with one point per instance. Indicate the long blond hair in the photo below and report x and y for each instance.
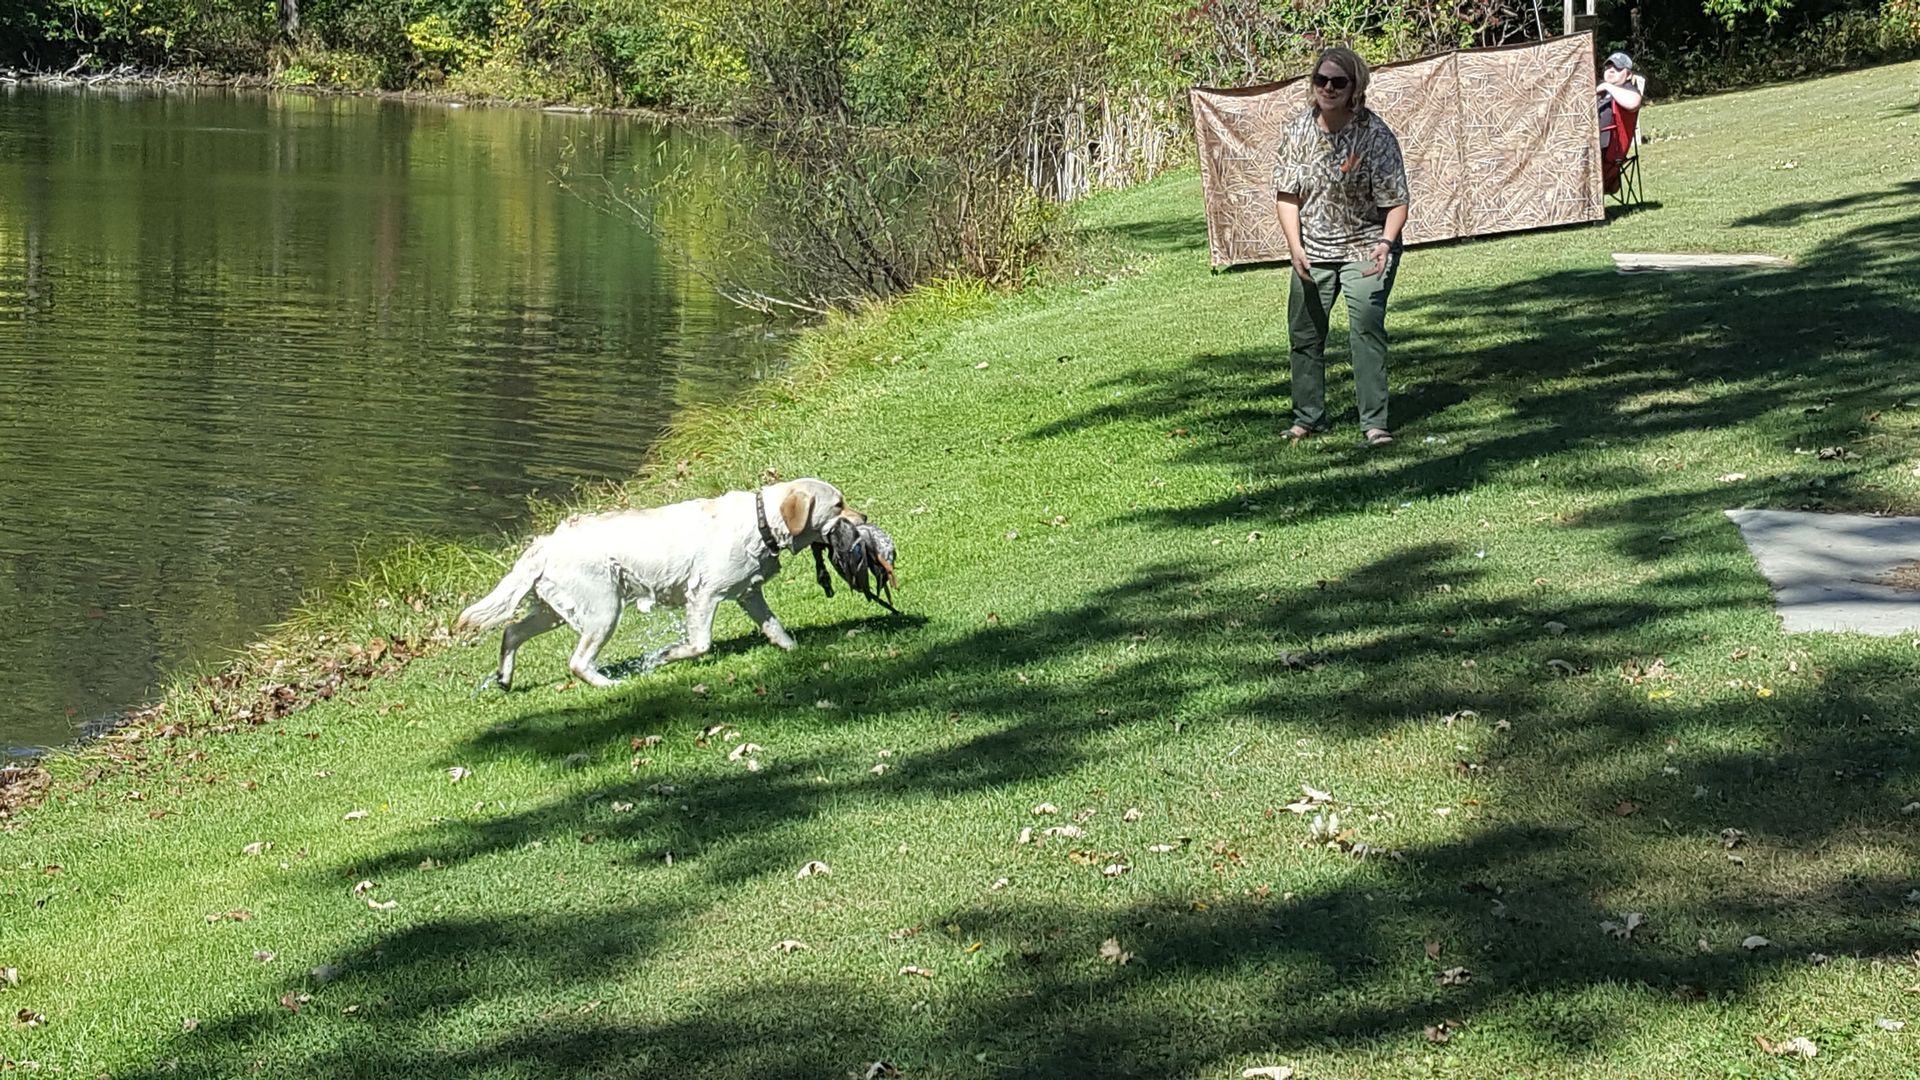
(1356, 68)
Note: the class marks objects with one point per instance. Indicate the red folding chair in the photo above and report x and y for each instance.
(1620, 155)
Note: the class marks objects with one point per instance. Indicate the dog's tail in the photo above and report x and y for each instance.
(498, 606)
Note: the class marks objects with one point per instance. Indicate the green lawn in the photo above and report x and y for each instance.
(1124, 592)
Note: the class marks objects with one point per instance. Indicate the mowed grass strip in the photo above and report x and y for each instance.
(1522, 655)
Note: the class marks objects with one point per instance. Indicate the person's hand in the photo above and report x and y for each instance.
(1382, 251)
(1300, 264)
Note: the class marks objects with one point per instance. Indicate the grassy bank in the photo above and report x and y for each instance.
(1128, 599)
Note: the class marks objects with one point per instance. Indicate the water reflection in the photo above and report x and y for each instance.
(242, 336)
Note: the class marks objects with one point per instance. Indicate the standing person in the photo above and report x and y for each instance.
(1342, 193)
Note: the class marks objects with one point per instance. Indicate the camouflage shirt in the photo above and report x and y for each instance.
(1346, 182)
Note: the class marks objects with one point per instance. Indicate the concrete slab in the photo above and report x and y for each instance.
(1639, 262)
(1838, 571)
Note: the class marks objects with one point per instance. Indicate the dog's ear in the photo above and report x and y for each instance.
(796, 511)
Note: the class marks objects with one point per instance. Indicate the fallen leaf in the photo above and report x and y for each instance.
(1026, 836)
(1625, 807)
(265, 956)
(1755, 941)
(1267, 1072)
(354, 815)
(258, 847)
(382, 905)
(880, 1070)
(1732, 477)
(364, 887)
(1885, 1024)
(1556, 628)
(293, 999)
(1046, 808)
(1440, 1032)
(812, 868)
(743, 750)
(189, 1024)
(788, 946)
(1455, 976)
(998, 884)
(10, 976)
(29, 1018)
(914, 969)
(1433, 950)
(621, 807)
(1624, 930)
(1112, 953)
(1562, 668)
(1160, 849)
(879, 769)
(1133, 814)
(1114, 869)
(458, 773)
(1799, 1045)
(1732, 838)
(1071, 832)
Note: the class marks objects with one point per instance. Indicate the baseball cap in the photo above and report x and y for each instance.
(1620, 60)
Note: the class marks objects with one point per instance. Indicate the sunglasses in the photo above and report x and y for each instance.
(1338, 82)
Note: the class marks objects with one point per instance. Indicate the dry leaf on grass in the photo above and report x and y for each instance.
(1133, 814)
(1562, 668)
(998, 884)
(1267, 1072)
(1624, 930)
(788, 946)
(458, 773)
(364, 887)
(1885, 1024)
(1732, 477)
(1026, 836)
(382, 905)
(879, 769)
(29, 1018)
(189, 1024)
(1732, 838)
(743, 750)
(621, 807)
(1442, 1031)
(1454, 976)
(354, 815)
(258, 847)
(1433, 950)
(812, 868)
(1045, 808)
(1556, 628)
(1755, 941)
(1112, 953)
(9, 977)
(880, 1070)
(293, 1000)
(1071, 832)
(1798, 1046)
(265, 956)
(1160, 849)
(1115, 869)
(915, 969)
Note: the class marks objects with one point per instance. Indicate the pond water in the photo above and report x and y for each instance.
(245, 337)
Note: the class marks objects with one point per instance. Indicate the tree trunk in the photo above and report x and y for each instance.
(289, 19)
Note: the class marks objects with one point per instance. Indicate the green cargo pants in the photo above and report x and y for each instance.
(1307, 308)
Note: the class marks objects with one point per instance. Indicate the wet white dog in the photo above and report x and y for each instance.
(692, 554)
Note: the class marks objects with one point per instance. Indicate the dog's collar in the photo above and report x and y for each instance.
(760, 520)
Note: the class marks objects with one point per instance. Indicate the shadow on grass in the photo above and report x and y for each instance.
(1598, 788)
(1290, 950)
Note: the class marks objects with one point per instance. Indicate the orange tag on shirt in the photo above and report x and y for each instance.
(1347, 166)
